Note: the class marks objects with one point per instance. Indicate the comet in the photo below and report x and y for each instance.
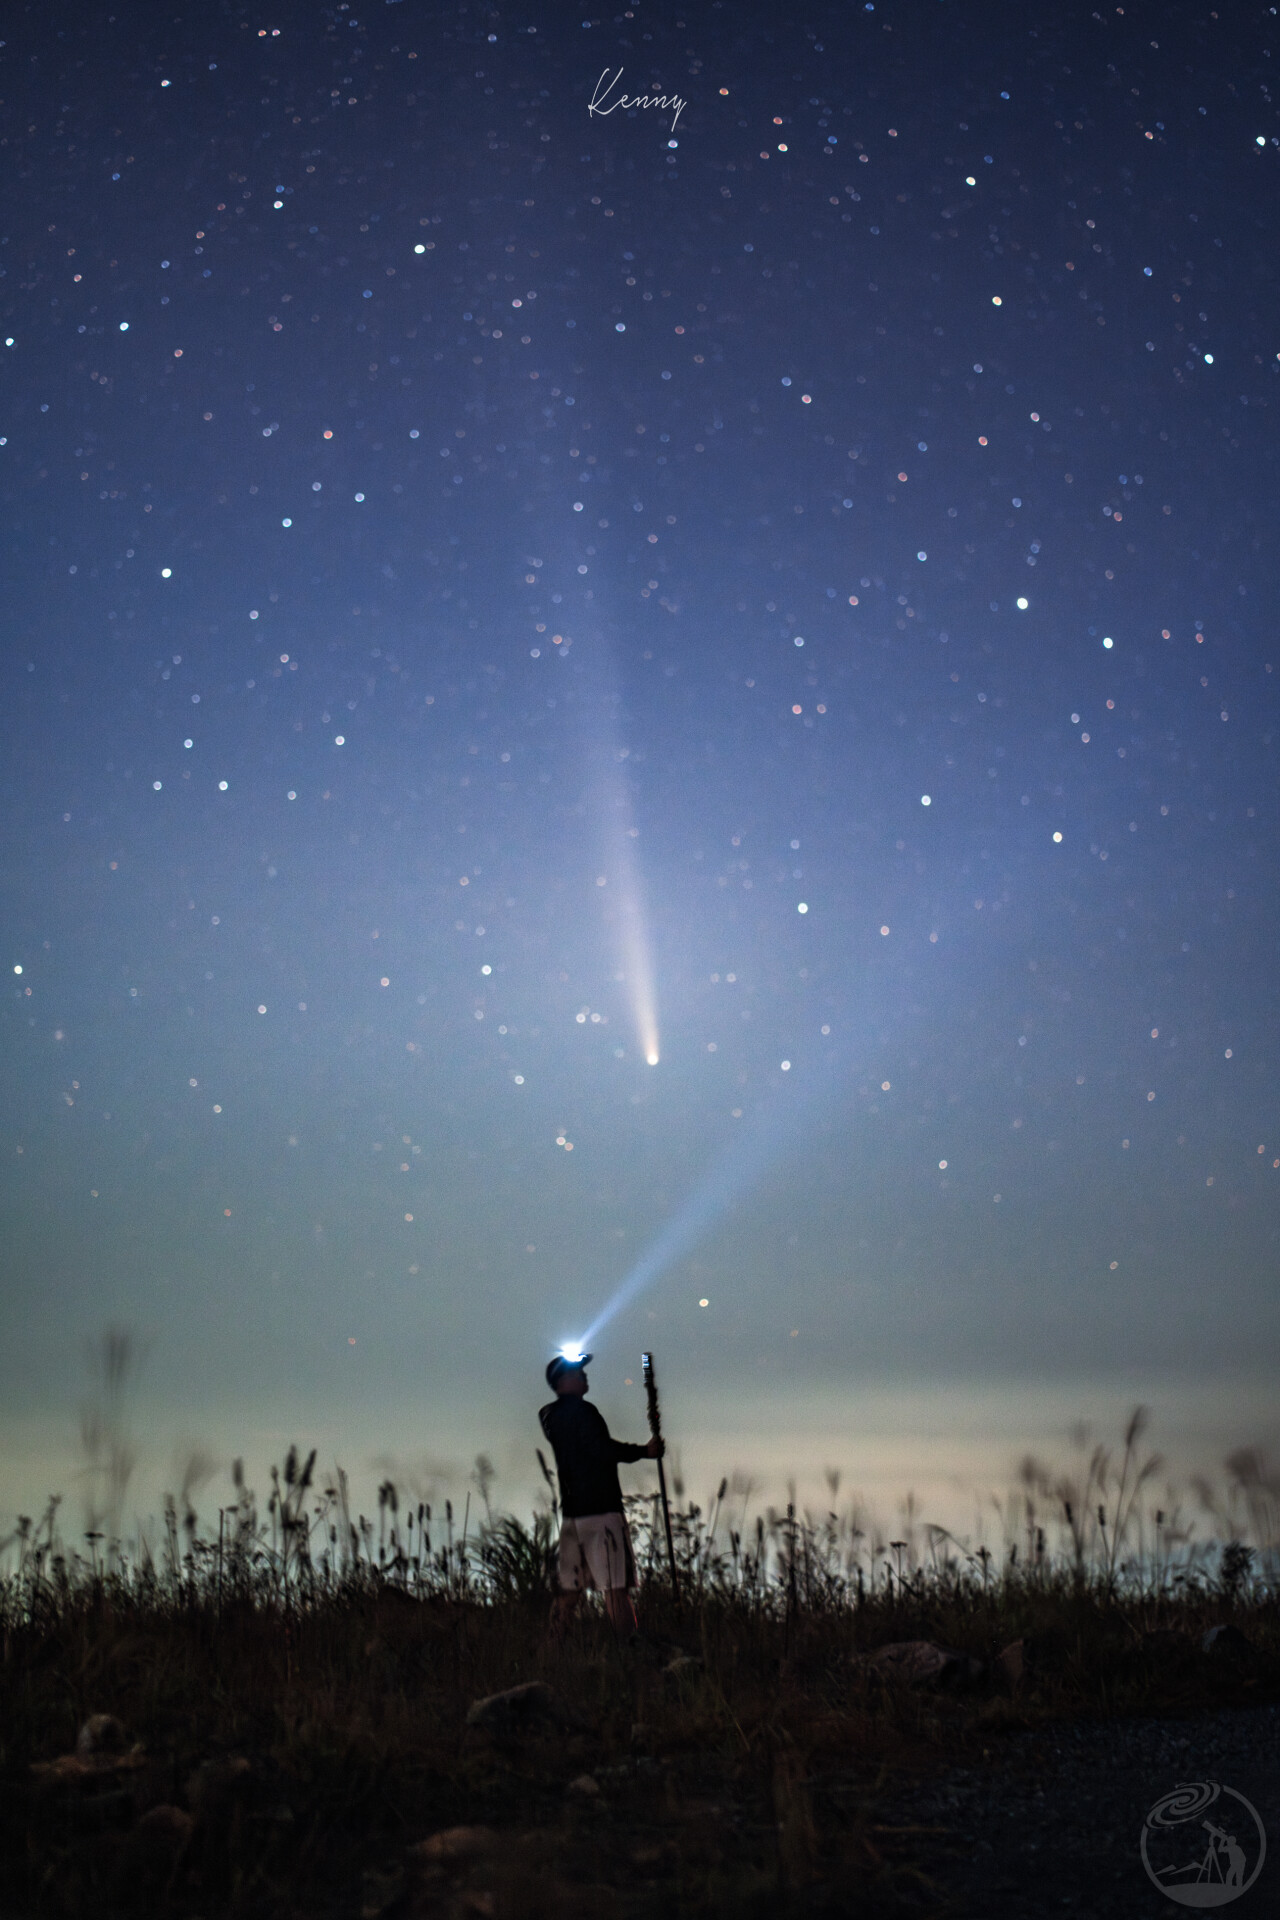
(637, 960)
(610, 806)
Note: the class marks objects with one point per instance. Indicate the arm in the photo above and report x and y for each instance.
(624, 1450)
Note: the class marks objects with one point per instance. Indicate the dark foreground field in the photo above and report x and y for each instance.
(311, 1745)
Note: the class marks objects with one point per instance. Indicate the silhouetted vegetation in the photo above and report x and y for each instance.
(282, 1691)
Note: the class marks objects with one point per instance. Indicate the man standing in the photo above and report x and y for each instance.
(595, 1546)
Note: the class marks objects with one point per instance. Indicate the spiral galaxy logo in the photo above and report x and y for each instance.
(1203, 1844)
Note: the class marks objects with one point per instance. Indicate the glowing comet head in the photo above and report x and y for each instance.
(645, 1016)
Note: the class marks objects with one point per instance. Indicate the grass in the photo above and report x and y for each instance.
(293, 1685)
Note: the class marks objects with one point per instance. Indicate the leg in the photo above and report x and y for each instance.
(622, 1612)
(563, 1608)
(617, 1596)
(571, 1577)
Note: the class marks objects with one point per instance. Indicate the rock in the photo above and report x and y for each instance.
(1010, 1664)
(921, 1663)
(394, 1603)
(1171, 1652)
(216, 1785)
(454, 1847)
(520, 1709)
(150, 1857)
(587, 1787)
(380, 1888)
(652, 1649)
(1227, 1643)
(1046, 1652)
(918, 1662)
(102, 1754)
(101, 1735)
(1164, 1643)
(164, 1826)
(468, 1873)
(94, 1812)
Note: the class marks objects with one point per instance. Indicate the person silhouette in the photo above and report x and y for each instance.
(595, 1543)
(1225, 1854)
(1234, 1874)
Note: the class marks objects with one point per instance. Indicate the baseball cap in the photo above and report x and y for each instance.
(566, 1363)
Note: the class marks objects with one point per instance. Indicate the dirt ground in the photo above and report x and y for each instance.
(1040, 1822)
(1051, 1822)
(358, 1763)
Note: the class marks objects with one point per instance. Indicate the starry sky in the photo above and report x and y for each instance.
(773, 573)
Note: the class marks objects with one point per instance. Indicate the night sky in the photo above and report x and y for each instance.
(494, 591)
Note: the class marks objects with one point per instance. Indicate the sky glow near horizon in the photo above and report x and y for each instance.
(672, 734)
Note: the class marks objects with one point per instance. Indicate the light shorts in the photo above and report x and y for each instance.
(595, 1552)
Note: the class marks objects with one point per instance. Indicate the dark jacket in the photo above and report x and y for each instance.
(587, 1456)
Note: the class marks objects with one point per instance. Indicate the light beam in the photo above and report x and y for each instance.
(776, 1129)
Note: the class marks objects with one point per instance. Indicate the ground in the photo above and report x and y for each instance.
(371, 1754)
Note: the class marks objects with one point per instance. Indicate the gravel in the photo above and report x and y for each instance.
(1050, 1823)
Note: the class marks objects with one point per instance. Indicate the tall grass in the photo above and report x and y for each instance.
(313, 1665)
(1103, 1528)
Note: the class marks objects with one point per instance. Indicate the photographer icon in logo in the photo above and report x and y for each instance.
(1208, 1873)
